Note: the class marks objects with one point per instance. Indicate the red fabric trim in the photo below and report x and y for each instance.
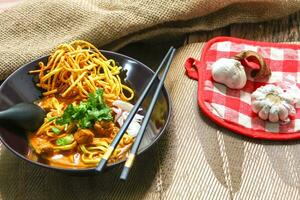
(190, 68)
(238, 129)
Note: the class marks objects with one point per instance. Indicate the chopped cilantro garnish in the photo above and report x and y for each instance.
(87, 112)
(68, 139)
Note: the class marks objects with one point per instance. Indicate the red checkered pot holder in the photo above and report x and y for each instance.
(231, 108)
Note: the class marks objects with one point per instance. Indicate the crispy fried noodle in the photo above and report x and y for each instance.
(80, 86)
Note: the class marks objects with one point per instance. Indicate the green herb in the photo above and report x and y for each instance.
(55, 130)
(87, 112)
(68, 139)
(51, 119)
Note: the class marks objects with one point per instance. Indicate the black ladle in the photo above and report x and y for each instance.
(25, 115)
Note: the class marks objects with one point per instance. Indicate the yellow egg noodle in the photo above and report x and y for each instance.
(73, 71)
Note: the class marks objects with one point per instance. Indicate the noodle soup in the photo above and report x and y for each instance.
(86, 103)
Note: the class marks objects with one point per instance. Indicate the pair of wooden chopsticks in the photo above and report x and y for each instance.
(101, 165)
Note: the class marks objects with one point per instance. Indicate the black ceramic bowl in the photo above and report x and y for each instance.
(20, 87)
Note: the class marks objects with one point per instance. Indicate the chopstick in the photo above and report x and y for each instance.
(137, 142)
(102, 163)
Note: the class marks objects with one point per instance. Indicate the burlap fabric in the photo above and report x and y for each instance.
(34, 27)
(195, 159)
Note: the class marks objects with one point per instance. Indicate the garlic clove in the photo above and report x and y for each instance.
(270, 88)
(264, 113)
(273, 117)
(287, 97)
(289, 107)
(273, 114)
(256, 106)
(258, 95)
(229, 72)
(283, 114)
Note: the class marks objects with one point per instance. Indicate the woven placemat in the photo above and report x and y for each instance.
(195, 159)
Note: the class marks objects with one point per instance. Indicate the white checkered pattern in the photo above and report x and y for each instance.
(234, 106)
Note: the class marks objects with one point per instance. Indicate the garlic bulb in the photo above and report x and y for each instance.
(229, 72)
(271, 103)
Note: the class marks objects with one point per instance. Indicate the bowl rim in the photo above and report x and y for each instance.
(91, 169)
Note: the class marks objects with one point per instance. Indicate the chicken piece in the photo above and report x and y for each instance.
(41, 145)
(104, 128)
(84, 136)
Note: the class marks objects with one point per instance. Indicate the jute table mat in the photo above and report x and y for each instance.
(195, 159)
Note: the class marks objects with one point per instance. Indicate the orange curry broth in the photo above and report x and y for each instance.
(57, 158)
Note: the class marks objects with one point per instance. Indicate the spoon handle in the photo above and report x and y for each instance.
(11, 113)
(3, 115)
(25, 115)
